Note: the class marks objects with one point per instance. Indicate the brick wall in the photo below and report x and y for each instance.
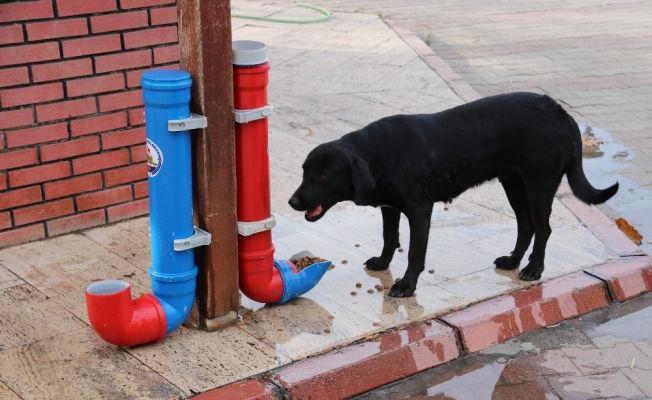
(72, 152)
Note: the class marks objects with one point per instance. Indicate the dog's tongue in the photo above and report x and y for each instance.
(315, 212)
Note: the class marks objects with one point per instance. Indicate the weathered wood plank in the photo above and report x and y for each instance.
(205, 41)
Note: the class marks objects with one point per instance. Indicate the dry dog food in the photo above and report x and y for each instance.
(379, 287)
(304, 262)
(358, 285)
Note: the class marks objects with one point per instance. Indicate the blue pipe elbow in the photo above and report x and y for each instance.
(297, 283)
(176, 293)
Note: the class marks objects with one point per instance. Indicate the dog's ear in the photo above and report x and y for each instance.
(363, 180)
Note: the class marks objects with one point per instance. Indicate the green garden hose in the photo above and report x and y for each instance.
(325, 16)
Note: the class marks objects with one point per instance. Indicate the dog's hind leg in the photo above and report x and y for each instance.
(419, 229)
(541, 193)
(517, 196)
(391, 220)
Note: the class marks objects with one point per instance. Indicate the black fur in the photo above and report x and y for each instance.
(406, 163)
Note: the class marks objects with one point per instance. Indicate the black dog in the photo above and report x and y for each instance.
(406, 163)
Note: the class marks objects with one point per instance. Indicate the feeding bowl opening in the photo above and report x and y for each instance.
(108, 286)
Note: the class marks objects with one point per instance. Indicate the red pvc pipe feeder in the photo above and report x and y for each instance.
(262, 278)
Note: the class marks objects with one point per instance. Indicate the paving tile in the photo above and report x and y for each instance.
(641, 378)
(129, 240)
(496, 320)
(626, 278)
(529, 369)
(7, 394)
(28, 316)
(595, 386)
(307, 325)
(78, 365)
(8, 279)
(593, 361)
(391, 356)
(529, 390)
(62, 267)
(196, 361)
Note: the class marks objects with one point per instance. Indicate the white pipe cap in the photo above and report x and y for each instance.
(249, 53)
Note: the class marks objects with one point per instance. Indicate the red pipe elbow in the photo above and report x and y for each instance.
(121, 320)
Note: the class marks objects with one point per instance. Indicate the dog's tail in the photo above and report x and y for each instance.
(580, 186)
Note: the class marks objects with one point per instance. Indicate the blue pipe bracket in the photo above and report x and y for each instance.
(169, 167)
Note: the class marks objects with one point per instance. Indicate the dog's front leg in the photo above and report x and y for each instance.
(391, 220)
(419, 228)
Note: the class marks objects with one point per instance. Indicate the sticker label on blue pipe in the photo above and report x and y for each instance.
(154, 159)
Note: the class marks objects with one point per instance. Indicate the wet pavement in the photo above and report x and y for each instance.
(602, 355)
(604, 164)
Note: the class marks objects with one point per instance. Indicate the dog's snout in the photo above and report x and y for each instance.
(294, 202)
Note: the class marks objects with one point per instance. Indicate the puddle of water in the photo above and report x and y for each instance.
(632, 321)
(604, 166)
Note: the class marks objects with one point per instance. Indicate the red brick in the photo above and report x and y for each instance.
(70, 148)
(18, 158)
(65, 109)
(128, 210)
(11, 34)
(42, 173)
(96, 84)
(626, 278)
(101, 161)
(164, 15)
(67, 187)
(20, 197)
(103, 198)
(143, 3)
(39, 134)
(22, 235)
(141, 189)
(72, 7)
(496, 320)
(91, 45)
(99, 123)
(119, 21)
(60, 70)
(16, 118)
(57, 29)
(21, 11)
(124, 60)
(250, 389)
(41, 212)
(3, 181)
(119, 176)
(29, 53)
(150, 37)
(137, 116)
(133, 77)
(76, 222)
(138, 153)
(344, 373)
(13, 76)
(166, 54)
(5, 220)
(31, 94)
(123, 138)
(117, 101)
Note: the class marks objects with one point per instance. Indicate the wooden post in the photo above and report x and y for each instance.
(205, 41)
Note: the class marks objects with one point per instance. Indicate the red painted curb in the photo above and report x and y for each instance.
(361, 367)
(244, 390)
(626, 278)
(496, 320)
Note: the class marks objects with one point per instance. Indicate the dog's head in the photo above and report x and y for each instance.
(332, 172)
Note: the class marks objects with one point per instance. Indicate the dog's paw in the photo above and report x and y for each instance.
(531, 272)
(401, 289)
(376, 264)
(506, 262)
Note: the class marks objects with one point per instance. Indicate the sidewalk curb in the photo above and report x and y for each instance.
(396, 354)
